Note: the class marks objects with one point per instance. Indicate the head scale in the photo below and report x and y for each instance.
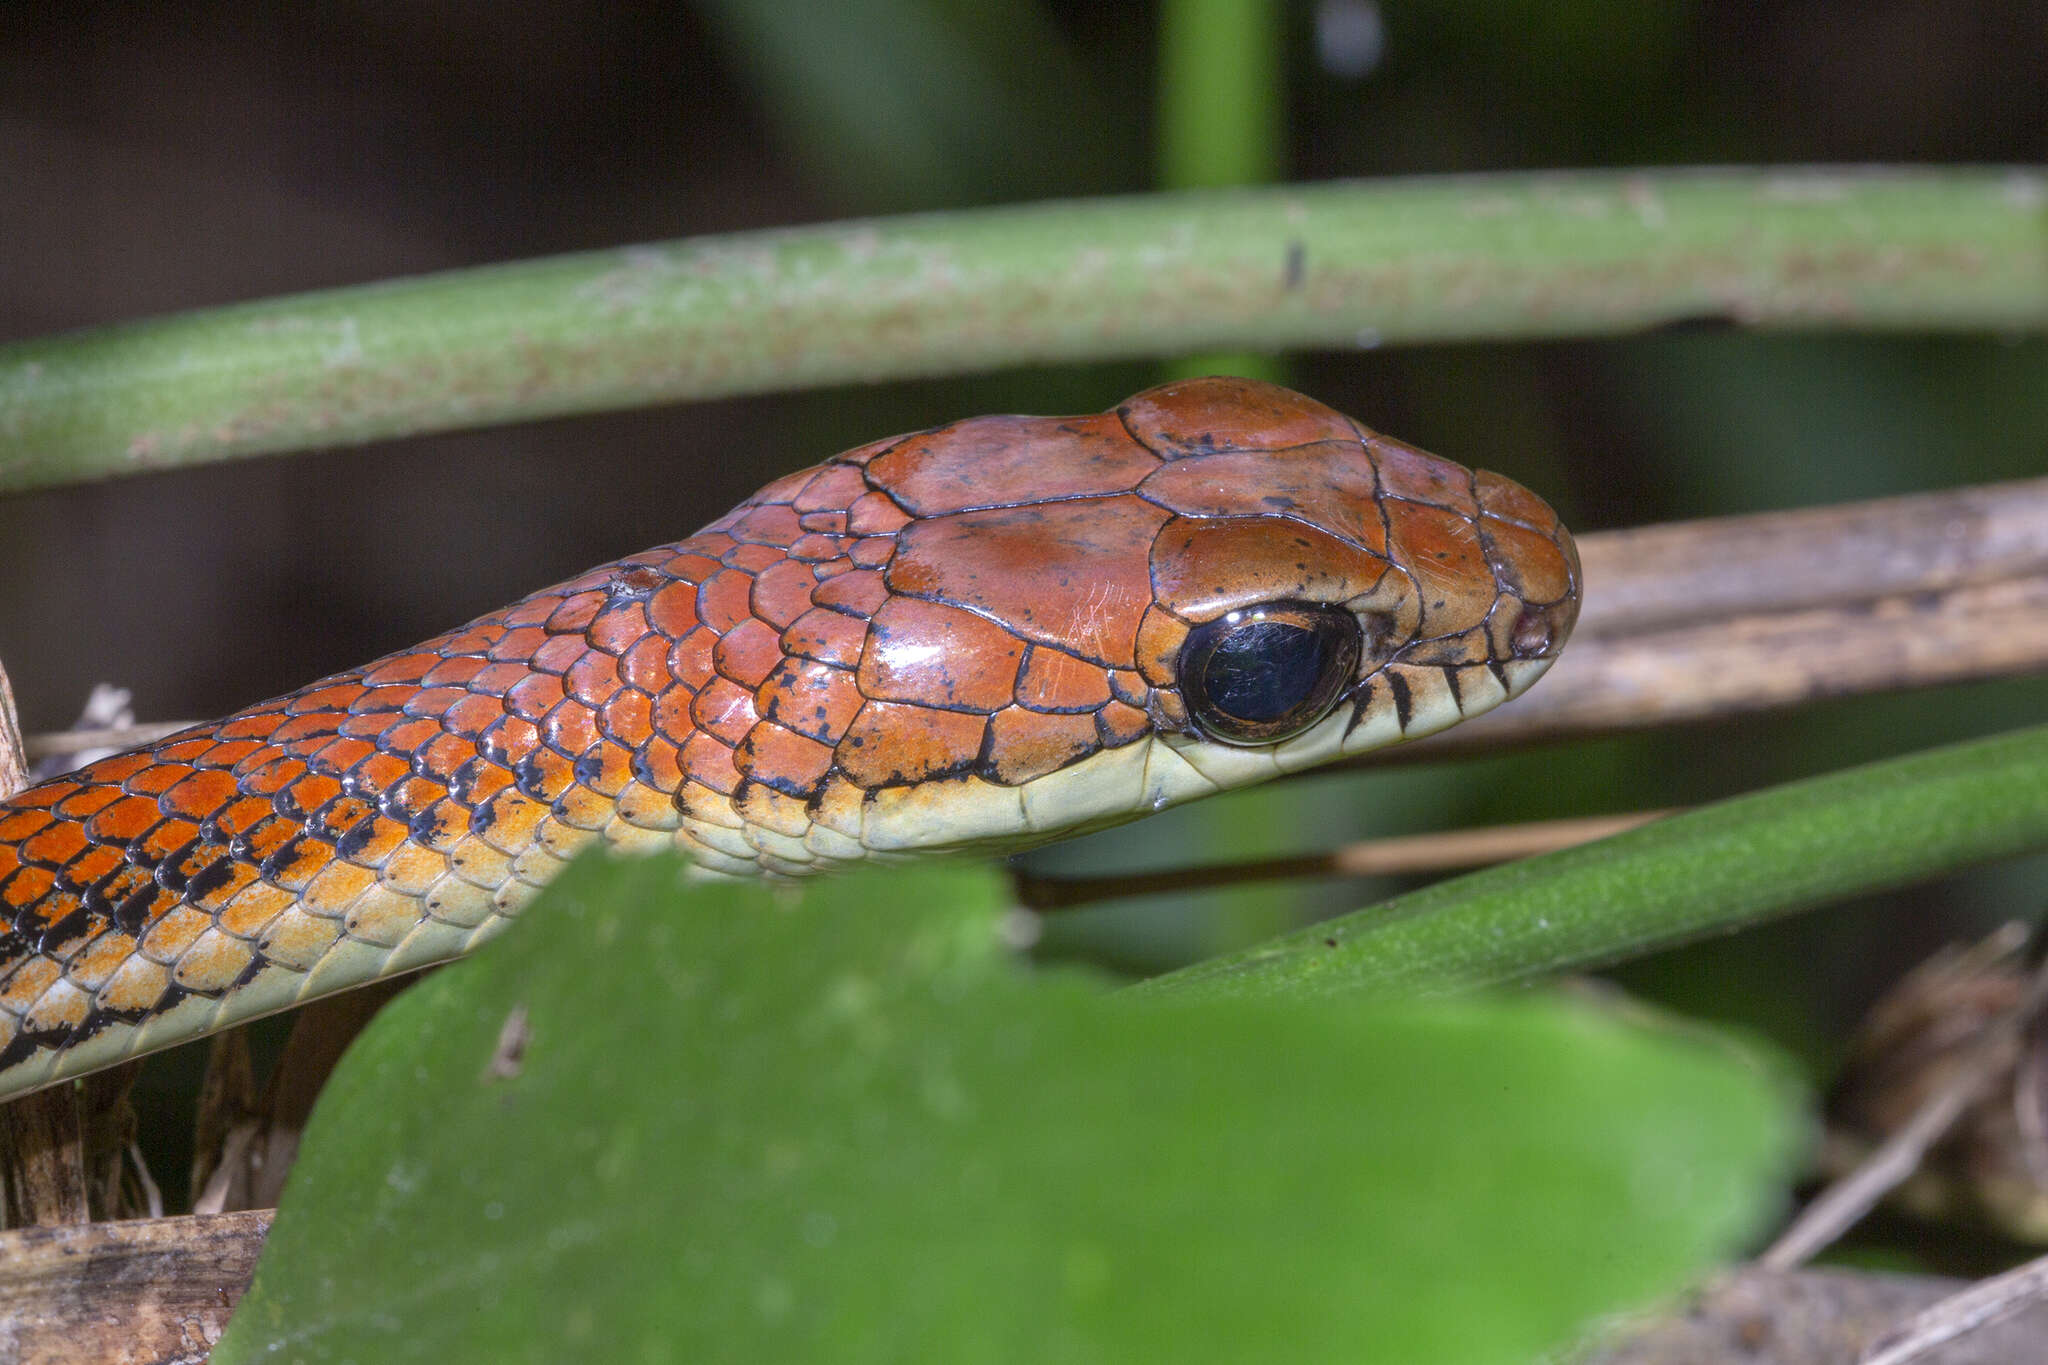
(1023, 627)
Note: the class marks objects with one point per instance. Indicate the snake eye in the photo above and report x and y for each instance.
(1259, 675)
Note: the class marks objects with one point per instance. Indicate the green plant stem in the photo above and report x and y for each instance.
(1706, 871)
(1542, 255)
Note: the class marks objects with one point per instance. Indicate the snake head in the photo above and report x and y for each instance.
(1022, 627)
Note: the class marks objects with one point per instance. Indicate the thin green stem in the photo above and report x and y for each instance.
(1289, 266)
(1706, 871)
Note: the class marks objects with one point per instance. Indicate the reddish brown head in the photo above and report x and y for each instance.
(1010, 628)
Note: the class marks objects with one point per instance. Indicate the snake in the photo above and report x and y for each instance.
(973, 638)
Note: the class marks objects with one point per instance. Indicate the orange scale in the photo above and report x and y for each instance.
(308, 794)
(1203, 567)
(183, 750)
(100, 959)
(120, 767)
(21, 824)
(823, 524)
(442, 756)
(76, 805)
(767, 526)
(1528, 564)
(303, 861)
(939, 655)
(26, 884)
(272, 776)
(705, 759)
(88, 867)
(1160, 636)
(673, 610)
(1026, 744)
(253, 908)
(435, 701)
(645, 665)
(380, 771)
(830, 489)
(1196, 416)
(338, 816)
(689, 662)
(299, 730)
(832, 568)
(1444, 553)
(893, 743)
(373, 700)
(507, 822)
(561, 653)
(694, 567)
(453, 673)
(723, 600)
(1128, 686)
(413, 795)
(592, 679)
(167, 839)
(872, 552)
(1053, 681)
(531, 612)
(519, 644)
(174, 933)
(830, 637)
(480, 782)
(875, 514)
(748, 653)
(201, 793)
(783, 759)
(570, 728)
(723, 708)
(575, 611)
(227, 754)
(157, 779)
(815, 549)
(264, 837)
(406, 736)
(605, 770)
(238, 876)
(658, 763)
(627, 717)
(335, 887)
(341, 753)
(509, 740)
(497, 679)
(335, 697)
(27, 984)
(786, 489)
(54, 846)
(860, 455)
(753, 559)
(364, 727)
(782, 592)
(249, 725)
(239, 814)
(810, 698)
(442, 825)
(123, 822)
(212, 965)
(473, 714)
(1419, 476)
(861, 592)
(1510, 501)
(534, 695)
(401, 668)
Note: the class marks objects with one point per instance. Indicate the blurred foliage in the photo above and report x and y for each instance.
(843, 1126)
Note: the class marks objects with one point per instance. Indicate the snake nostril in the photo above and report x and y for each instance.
(1531, 638)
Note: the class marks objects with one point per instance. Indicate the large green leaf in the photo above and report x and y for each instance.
(746, 1125)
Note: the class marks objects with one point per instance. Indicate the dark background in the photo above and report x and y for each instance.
(156, 158)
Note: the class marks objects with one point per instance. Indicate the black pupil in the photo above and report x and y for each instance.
(1262, 670)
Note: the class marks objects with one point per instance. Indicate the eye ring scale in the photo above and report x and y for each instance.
(1262, 674)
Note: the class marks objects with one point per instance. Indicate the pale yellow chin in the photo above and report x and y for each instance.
(972, 815)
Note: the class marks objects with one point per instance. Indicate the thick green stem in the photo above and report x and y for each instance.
(1545, 255)
(1707, 871)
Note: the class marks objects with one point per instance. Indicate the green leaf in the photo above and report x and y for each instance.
(748, 1125)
